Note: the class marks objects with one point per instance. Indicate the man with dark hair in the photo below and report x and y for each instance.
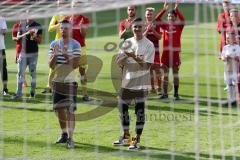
(31, 35)
(125, 31)
(64, 60)
(172, 31)
(135, 61)
(3, 61)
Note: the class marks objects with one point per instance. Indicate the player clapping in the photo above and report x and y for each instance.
(231, 55)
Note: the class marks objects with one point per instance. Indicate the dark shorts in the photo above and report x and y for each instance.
(64, 96)
(127, 95)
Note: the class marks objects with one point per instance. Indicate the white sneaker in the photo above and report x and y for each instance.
(134, 144)
(226, 88)
(123, 141)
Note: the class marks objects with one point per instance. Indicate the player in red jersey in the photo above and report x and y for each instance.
(172, 31)
(125, 25)
(224, 22)
(154, 34)
(80, 26)
(15, 29)
(14, 38)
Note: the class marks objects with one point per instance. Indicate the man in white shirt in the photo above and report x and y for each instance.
(3, 62)
(231, 56)
(135, 58)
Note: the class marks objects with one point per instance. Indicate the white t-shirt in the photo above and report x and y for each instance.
(3, 25)
(63, 72)
(232, 51)
(134, 76)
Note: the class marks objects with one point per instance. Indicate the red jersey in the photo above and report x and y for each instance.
(223, 24)
(15, 29)
(126, 24)
(171, 32)
(76, 20)
(150, 35)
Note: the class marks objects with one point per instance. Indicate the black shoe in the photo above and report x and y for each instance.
(47, 90)
(63, 138)
(70, 143)
(85, 98)
(5, 92)
(164, 96)
(234, 103)
(176, 97)
(159, 91)
(16, 96)
(32, 95)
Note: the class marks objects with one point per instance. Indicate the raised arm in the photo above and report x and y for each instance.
(161, 13)
(84, 25)
(53, 25)
(180, 17)
(220, 24)
(179, 14)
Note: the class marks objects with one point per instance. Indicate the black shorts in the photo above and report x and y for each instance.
(128, 95)
(64, 96)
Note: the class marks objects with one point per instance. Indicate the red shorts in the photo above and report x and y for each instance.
(157, 59)
(171, 59)
(18, 49)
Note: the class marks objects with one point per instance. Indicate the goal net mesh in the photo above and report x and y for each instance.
(198, 126)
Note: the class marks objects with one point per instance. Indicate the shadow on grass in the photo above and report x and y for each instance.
(200, 96)
(202, 84)
(27, 72)
(107, 101)
(189, 111)
(190, 100)
(143, 152)
(39, 98)
(27, 108)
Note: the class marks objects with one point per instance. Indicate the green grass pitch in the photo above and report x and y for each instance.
(29, 128)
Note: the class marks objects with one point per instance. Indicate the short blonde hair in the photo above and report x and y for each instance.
(150, 9)
(233, 10)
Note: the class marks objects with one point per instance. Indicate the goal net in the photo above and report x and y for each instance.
(201, 125)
